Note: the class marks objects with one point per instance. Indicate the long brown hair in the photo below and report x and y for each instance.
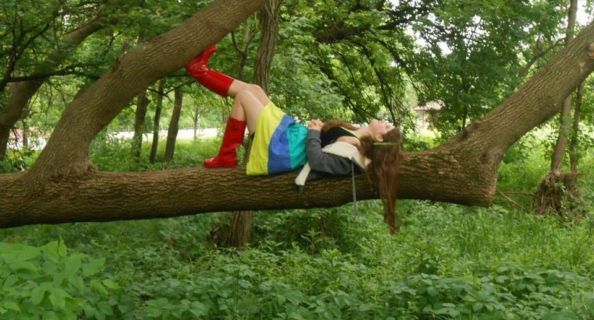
(383, 171)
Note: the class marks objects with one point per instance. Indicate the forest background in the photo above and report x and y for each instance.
(431, 67)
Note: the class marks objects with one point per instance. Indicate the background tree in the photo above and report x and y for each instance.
(470, 58)
(142, 102)
(21, 87)
(469, 160)
(556, 186)
(462, 170)
(241, 221)
(343, 59)
(157, 120)
(174, 124)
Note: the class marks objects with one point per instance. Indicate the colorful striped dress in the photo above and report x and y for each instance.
(279, 143)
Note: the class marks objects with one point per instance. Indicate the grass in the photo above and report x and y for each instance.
(448, 261)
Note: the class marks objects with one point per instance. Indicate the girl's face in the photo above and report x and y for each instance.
(378, 128)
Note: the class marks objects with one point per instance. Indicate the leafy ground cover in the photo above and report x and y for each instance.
(448, 262)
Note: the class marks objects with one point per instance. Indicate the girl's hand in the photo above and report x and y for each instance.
(315, 124)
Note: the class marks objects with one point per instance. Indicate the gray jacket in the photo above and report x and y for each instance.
(336, 159)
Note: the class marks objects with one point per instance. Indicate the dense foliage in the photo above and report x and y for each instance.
(448, 261)
(334, 59)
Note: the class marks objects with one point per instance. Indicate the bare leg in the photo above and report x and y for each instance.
(238, 86)
(247, 106)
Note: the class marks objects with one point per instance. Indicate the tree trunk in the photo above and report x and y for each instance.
(269, 16)
(173, 125)
(195, 117)
(243, 53)
(564, 127)
(195, 126)
(237, 233)
(157, 121)
(4, 136)
(549, 196)
(20, 93)
(241, 225)
(560, 145)
(241, 229)
(25, 134)
(573, 154)
(463, 170)
(141, 106)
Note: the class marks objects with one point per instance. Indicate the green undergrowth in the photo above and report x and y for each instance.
(525, 165)
(110, 154)
(448, 261)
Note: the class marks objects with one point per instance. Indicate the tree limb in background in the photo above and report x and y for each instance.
(462, 170)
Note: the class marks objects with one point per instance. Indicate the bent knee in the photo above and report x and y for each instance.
(256, 89)
(259, 93)
(245, 94)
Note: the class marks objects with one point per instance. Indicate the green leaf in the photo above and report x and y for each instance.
(51, 315)
(23, 265)
(19, 253)
(110, 284)
(37, 295)
(94, 267)
(77, 282)
(73, 263)
(11, 305)
(198, 309)
(62, 249)
(51, 251)
(431, 291)
(98, 287)
(560, 315)
(57, 297)
(245, 284)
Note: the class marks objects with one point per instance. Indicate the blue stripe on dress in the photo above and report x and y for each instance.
(279, 157)
(297, 135)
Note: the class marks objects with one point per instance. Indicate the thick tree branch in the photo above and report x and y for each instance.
(537, 100)
(116, 196)
(94, 108)
(463, 170)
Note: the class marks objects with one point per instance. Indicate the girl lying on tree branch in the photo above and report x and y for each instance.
(281, 144)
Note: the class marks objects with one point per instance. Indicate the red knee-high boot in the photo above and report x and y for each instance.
(232, 139)
(213, 80)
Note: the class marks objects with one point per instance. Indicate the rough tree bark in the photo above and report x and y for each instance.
(241, 221)
(157, 121)
(19, 93)
(173, 125)
(462, 170)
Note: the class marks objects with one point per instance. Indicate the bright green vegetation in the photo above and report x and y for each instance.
(448, 261)
(352, 60)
